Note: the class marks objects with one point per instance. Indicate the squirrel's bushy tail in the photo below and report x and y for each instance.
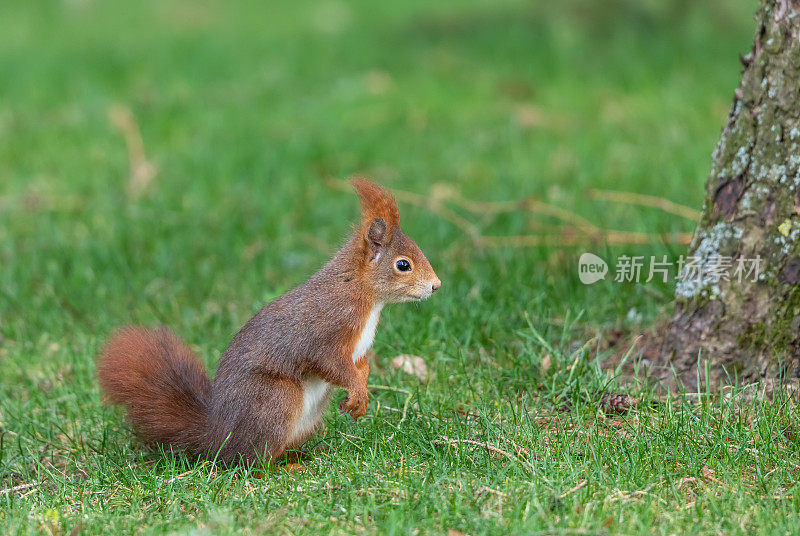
(160, 382)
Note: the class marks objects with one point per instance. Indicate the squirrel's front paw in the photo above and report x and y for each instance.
(355, 404)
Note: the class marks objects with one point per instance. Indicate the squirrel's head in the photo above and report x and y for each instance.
(393, 264)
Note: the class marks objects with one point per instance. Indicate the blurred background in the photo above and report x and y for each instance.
(174, 161)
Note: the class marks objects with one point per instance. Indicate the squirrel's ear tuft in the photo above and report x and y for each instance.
(377, 203)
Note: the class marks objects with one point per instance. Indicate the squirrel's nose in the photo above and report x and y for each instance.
(435, 286)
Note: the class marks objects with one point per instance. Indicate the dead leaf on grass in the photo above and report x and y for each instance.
(546, 363)
(411, 364)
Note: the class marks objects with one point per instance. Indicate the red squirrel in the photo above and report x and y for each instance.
(273, 382)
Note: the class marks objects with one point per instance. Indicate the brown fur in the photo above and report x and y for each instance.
(161, 382)
(256, 400)
(377, 203)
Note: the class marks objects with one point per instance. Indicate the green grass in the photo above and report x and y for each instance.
(247, 109)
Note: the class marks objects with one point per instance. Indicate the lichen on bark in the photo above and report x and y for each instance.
(748, 330)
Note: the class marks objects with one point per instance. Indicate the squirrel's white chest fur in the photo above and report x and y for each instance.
(368, 333)
(315, 390)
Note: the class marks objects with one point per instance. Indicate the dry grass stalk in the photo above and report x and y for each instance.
(142, 172)
(576, 230)
(20, 487)
(644, 200)
(580, 484)
(456, 442)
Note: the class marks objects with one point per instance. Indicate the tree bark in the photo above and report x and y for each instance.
(726, 331)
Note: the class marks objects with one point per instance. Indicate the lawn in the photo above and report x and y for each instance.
(175, 162)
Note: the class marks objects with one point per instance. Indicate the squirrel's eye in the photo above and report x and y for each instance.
(403, 265)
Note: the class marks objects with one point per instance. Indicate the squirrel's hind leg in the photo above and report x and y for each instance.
(316, 393)
(262, 428)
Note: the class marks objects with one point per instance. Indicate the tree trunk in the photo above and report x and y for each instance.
(748, 331)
